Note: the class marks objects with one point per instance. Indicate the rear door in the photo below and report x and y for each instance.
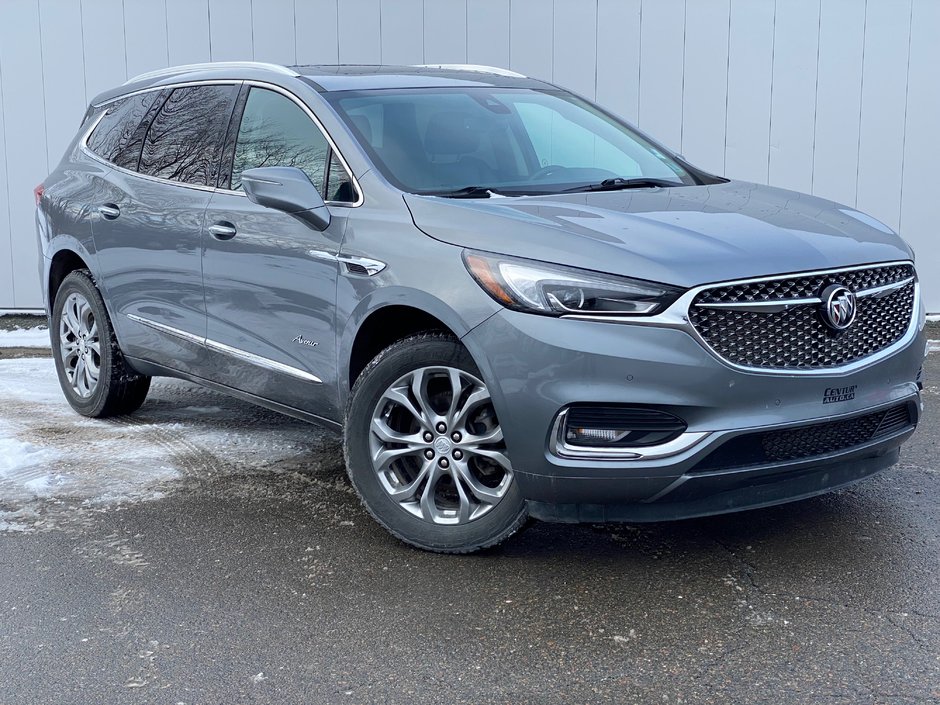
(148, 222)
(270, 280)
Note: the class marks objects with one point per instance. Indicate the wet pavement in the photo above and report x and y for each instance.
(206, 551)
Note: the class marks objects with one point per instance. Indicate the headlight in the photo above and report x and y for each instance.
(531, 286)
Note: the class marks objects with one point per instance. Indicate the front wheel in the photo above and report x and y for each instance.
(425, 451)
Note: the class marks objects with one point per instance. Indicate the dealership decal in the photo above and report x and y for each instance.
(834, 394)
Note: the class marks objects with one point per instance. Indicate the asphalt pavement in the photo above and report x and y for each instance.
(206, 551)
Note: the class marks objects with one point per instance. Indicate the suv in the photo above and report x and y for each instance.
(511, 302)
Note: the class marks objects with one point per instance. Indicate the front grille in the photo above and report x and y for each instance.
(767, 447)
(798, 338)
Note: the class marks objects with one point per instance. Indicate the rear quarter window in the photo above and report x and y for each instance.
(118, 138)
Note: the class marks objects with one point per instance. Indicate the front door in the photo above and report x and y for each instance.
(270, 280)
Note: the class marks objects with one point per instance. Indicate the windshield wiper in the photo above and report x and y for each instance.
(618, 184)
(466, 192)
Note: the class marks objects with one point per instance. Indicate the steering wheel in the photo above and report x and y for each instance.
(547, 171)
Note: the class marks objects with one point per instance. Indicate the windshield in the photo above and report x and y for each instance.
(507, 140)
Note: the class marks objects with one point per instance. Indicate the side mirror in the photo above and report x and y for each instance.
(287, 189)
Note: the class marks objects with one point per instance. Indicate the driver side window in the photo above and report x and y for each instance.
(275, 131)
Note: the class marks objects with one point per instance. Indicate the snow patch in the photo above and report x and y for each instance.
(16, 456)
(36, 337)
(58, 468)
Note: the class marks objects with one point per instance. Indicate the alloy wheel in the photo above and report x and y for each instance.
(79, 345)
(437, 447)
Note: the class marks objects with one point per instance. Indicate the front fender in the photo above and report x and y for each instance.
(402, 296)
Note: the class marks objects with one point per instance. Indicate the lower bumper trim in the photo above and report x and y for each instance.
(700, 498)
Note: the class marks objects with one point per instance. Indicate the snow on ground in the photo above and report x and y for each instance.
(52, 459)
(36, 337)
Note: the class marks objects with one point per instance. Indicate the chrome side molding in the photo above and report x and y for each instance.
(169, 330)
(215, 345)
(261, 361)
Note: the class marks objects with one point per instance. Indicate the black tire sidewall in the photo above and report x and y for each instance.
(81, 283)
(397, 360)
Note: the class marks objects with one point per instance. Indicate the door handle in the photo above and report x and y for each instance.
(223, 230)
(109, 211)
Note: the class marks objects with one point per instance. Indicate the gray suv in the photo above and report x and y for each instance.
(511, 303)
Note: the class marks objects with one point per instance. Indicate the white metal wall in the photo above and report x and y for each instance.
(836, 97)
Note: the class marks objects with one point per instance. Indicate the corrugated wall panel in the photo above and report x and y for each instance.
(531, 35)
(488, 32)
(838, 99)
(187, 23)
(884, 102)
(64, 88)
(7, 300)
(102, 30)
(919, 189)
(750, 78)
(793, 103)
(272, 30)
(230, 36)
(360, 35)
(573, 46)
(445, 31)
(662, 47)
(618, 50)
(705, 83)
(316, 31)
(145, 36)
(834, 96)
(403, 31)
(25, 130)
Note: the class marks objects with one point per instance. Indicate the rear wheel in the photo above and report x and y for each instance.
(425, 450)
(91, 368)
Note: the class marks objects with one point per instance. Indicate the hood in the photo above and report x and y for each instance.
(684, 236)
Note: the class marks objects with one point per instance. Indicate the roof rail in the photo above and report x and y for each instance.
(479, 68)
(186, 68)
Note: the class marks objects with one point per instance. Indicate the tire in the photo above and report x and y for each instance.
(464, 498)
(82, 336)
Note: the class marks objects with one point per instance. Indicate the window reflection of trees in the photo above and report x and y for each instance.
(113, 138)
(184, 138)
(270, 142)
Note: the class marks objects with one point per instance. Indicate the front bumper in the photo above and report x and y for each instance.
(538, 365)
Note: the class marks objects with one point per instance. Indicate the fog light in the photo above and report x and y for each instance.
(616, 426)
(586, 436)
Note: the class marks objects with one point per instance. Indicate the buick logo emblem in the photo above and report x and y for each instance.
(442, 445)
(838, 307)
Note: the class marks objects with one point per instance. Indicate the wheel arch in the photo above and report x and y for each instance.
(65, 260)
(387, 316)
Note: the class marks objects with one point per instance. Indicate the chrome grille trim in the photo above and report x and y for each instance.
(779, 305)
(760, 325)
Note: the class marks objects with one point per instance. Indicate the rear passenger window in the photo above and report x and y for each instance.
(275, 131)
(185, 138)
(117, 137)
